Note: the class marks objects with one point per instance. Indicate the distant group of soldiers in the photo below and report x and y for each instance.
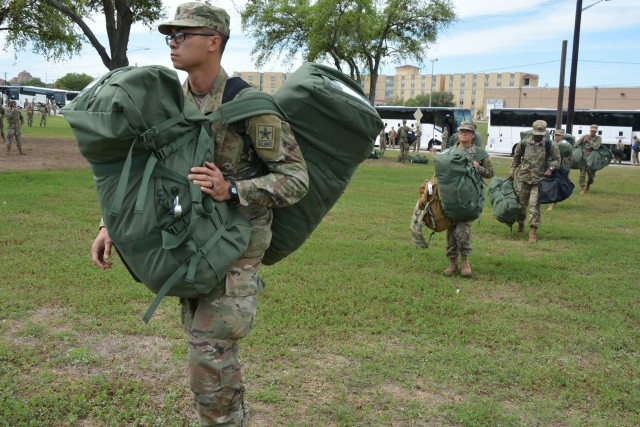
(15, 121)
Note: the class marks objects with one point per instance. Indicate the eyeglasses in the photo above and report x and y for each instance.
(465, 131)
(179, 37)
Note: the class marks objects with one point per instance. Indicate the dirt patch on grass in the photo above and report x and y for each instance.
(43, 154)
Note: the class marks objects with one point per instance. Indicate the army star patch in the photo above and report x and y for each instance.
(266, 136)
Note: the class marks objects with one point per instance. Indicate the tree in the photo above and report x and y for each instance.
(36, 81)
(358, 34)
(74, 81)
(57, 28)
(442, 99)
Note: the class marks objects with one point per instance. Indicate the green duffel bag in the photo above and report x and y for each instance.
(335, 126)
(141, 139)
(600, 158)
(418, 158)
(577, 158)
(504, 201)
(565, 149)
(459, 183)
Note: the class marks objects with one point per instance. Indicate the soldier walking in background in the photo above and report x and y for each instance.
(403, 141)
(392, 137)
(44, 112)
(530, 162)
(14, 125)
(30, 114)
(2, 122)
(383, 142)
(588, 143)
(635, 149)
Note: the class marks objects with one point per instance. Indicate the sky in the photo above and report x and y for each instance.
(488, 36)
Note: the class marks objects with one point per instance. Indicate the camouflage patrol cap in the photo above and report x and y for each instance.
(593, 127)
(560, 132)
(467, 125)
(194, 15)
(539, 127)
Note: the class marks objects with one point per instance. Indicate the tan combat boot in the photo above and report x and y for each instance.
(521, 227)
(552, 206)
(453, 267)
(533, 234)
(586, 189)
(8, 150)
(465, 267)
(21, 153)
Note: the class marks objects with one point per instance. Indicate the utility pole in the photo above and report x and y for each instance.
(563, 61)
(431, 86)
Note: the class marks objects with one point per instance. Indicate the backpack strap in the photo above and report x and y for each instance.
(232, 88)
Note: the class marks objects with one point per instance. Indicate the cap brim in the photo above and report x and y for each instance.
(165, 27)
(540, 133)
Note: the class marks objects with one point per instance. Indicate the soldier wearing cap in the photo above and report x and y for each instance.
(15, 120)
(459, 234)
(635, 149)
(254, 177)
(534, 159)
(588, 143)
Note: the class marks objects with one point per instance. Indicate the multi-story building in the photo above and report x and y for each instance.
(477, 91)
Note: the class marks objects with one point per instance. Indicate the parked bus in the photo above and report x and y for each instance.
(432, 123)
(505, 125)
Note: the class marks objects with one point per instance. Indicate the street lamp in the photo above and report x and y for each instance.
(574, 62)
(433, 61)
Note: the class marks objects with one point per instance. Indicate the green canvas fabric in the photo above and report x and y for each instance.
(565, 149)
(600, 158)
(460, 185)
(141, 139)
(504, 201)
(335, 126)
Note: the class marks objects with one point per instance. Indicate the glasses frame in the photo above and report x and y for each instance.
(182, 35)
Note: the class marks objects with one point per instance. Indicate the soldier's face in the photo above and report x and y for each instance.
(192, 52)
(558, 138)
(593, 132)
(538, 138)
(465, 135)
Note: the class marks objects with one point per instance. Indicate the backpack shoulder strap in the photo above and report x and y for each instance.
(232, 88)
(251, 102)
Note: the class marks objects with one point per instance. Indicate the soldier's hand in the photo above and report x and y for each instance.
(548, 173)
(510, 177)
(101, 249)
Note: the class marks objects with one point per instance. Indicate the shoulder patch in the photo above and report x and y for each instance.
(266, 133)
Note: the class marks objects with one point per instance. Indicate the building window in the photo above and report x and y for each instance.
(526, 81)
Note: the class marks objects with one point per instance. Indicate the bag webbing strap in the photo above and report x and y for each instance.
(253, 103)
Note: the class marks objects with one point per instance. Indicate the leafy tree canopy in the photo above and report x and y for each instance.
(439, 99)
(56, 29)
(74, 81)
(36, 81)
(358, 35)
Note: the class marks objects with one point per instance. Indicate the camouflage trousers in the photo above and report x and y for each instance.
(383, 148)
(459, 239)
(29, 119)
(634, 157)
(587, 176)
(14, 132)
(528, 198)
(43, 121)
(404, 151)
(215, 323)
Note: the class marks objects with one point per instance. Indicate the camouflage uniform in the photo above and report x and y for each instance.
(531, 164)
(2, 123)
(14, 125)
(459, 234)
(588, 143)
(392, 137)
(618, 152)
(30, 114)
(635, 148)
(383, 142)
(216, 322)
(44, 112)
(403, 142)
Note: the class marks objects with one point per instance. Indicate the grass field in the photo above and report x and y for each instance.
(351, 331)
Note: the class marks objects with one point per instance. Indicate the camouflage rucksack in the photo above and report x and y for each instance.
(429, 212)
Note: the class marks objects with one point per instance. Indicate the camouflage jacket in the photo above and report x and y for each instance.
(480, 155)
(588, 144)
(403, 131)
(266, 163)
(14, 117)
(532, 161)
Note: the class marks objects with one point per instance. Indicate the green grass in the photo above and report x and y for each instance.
(57, 127)
(351, 330)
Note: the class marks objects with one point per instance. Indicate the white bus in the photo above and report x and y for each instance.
(505, 125)
(432, 123)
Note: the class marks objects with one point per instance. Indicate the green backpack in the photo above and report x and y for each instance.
(335, 126)
(418, 158)
(504, 201)
(141, 139)
(460, 185)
